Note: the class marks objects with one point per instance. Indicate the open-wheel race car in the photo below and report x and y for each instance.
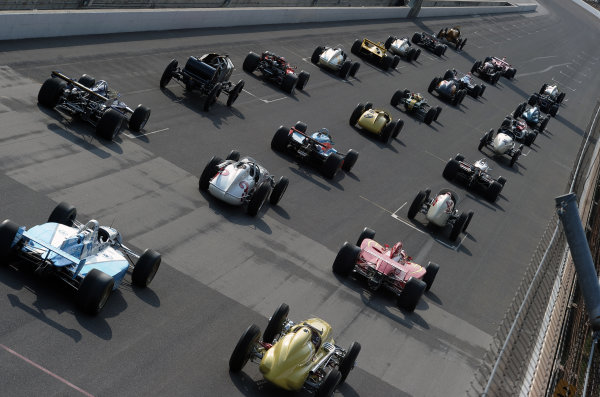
(502, 143)
(386, 267)
(335, 60)
(91, 259)
(430, 42)
(474, 176)
(492, 68)
(93, 102)
(548, 99)
(448, 89)
(452, 35)
(532, 116)
(276, 70)
(316, 148)
(376, 121)
(375, 53)
(242, 182)
(296, 356)
(441, 211)
(416, 104)
(402, 47)
(208, 74)
(466, 82)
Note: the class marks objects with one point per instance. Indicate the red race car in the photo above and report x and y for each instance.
(276, 70)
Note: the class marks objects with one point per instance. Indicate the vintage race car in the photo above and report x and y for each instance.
(474, 176)
(441, 211)
(452, 35)
(386, 267)
(532, 116)
(548, 99)
(430, 42)
(416, 105)
(376, 121)
(466, 82)
(517, 129)
(498, 65)
(316, 148)
(403, 48)
(90, 258)
(487, 71)
(242, 182)
(296, 356)
(375, 53)
(447, 89)
(276, 70)
(335, 60)
(501, 143)
(93, 102)
(208, 74)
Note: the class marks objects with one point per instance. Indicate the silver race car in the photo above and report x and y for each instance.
(403, 48)
(501, 143)
(335, 60)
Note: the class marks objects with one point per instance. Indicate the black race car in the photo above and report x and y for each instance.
(474, 176)
(276, 70)
(448, 89)
(517, 128)
(208, 74)
(415, 104)
(548, 99)
(486, 71)
(532, 116)
(430, 42)
(466, 82)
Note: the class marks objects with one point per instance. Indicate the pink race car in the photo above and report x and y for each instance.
(385, 266)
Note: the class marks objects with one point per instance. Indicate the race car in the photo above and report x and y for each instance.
(441, 211)
(452, 35)
(548, 99)
(208, 74)
(496, 65)
(376, 121)
(93, 102)
(415, 104)
(487, 71)
(402, 47)
(532, 117)
(386, 267)
(276, 70)
(430, 42)
(474, 176)
(91, 259)
(316, 148)
(296, 356)
(466, 82)
(375, 53)
(517, 129)
(447, 89)
(241, 182)
(335, 60)
(501, 143)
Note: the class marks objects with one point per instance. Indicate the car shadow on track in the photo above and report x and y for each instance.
(373, 138)
(274, 87)
(571, 126)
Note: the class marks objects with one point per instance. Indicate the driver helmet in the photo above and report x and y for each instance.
(397, 253)
(322, 136)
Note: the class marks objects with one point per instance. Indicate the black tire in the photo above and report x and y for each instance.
(530, 138)
(513, 73)
(493, 191)
(411, 294)
(302, 80)
(51, 91)
(314, 58)
(417, 53)
(94, 291)
(87, 81)
(483, 87)
(476, 67)
(396, 98)
(235, 92)
(275, 324)
(331, 165)
(145, 268)
(463, 44)
(449, 75)
(388, 42)
(457, 44)
(258, 199)
(168, 73)
(356, 47)
(429, 116)
(485, 139)
(553, 110)
(243, 349)
(433, 84)
(458, 226)
(278, 191)
(366, 233)
(438, 50)
(354, 69)
(440, 33)
(532, 100)
(301, 126)
(64, 213)
(8, 232)
(251, 62)
(561, 97)
(505, 123)
(543, 124)
(399, 125)
(386, 62)
(502, 180)
(110, 124)
(290, 81)
(395, 61)
(212, 96)
(233, 155)
(416, 39)
(462, 94)
(515, 157)
(280, 139)
(386, 132)
(329, 384)
(347, 362)
(495, 78)
(417, 204)
(210, 170)
(410, 54)
(345, 69)
(350, 160)
(139, 118)
(356, 113)
(451, 169)
(438, 110)
(543, 89)
(519, 110)
(346, 259)
(469, 217)
(431, 270)
(459, 157)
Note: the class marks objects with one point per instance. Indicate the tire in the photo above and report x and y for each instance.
(458, 226)
(280, 139)
(278, 191)
(243, 349)
(410, 55)
(519, 110)
(493, 191)
(354, 69)
(301, 126)
(388, 42)
(495, 78)
(513, 73)
(411, 294)
(329, 384)
(251, 62)
(429, 116)
(417, 204)
(501, 180)
(457, 44)
(110, 124)
(463, 94)
(449, 75)
(275, 324)
(87, 81)
(417, 53)
(399, 125)
(532, 100)
(475, 67)
(530, 138)
(431, 270)
(483, 87)
(366, 233)
(440, 33)
(416, 39)
(345, 70)
(50, 92)
(94, 291)
(168, 73)
(356, 47)
(212, 96)
(505, 123)
(451, 169)
(438, 110)
(553, 110)
(145, 268)
(543, 124)
(368, 105)
(210, 170)
(561, 97)
(515, 157)
(8, 232)
(463, 44)
(459, 157)
(258, 199)
(438, 50)
(485, 139)
(314, 58)
(303, 78)
(346, 259)
(350, 160)
(386, 62)
(233, 155)
(64, 213)
(139, 118)
(395, 61)
(331, 165)
(235, 92)
(356, 113)
(468, 222)
(386, 132)
(290, 81)
(433, 84)
(347, 362)
(396, 98)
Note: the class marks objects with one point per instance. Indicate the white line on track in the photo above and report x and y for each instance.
(433, 155)
(571, 77)
(128, 135)
(543, 70)
(536, 58)
(563, 85)
(263, 100)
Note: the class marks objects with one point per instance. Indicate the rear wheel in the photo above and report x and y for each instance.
(145, 268)
(51, 91)
(251, 62)
(386, 62)
(458, 226)
(476, 66)
(212, 96)
(451, 169)
(302, 80)
(396, 98)
(280, 139)
(532, 99)
(561, 97)
(438, 110)
(395, 61)
(411, 294)
(449, 75)
(243, 349)
(110, 124)
(388, 42)
(519, 110)
(346, 259)
(430, 115)
(386, 132)
(87, 81)
(208, 173)
(8, 232)
(279, 190)
(331, 165)
(275, 325)
(366, 233)
(417, 204)
(493, 191)
(433, 84)
(94, 291)
(290, 81)
(543, 124)
(316, 54)
(356, 113)
(354, 69)
(463, 44)
(431, 270)
(331, 381)
(356, 47)
(345, 69)
(347, 362)
(399, 125)
(235, 92)
(139, 118)
(469, 217)
(258, 199)
(553, 110)
(233, 155)
(416, 39)
(64, 213)
(350, 160)
(417, 53)
(168, 73)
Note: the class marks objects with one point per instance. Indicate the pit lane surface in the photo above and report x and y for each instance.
(223, 270)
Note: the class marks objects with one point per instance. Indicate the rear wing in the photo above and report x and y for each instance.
(51, 249)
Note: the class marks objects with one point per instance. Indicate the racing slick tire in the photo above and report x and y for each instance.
(458, 226)
(439, 50)
(431, 270)
(356, 113)
(515, 157)
(493, 191)
(302, 80)
(395, 61)
(346, 259)
(366, 233)
(209, 171)
(440, 34)
(417, 204)
(396, 98)
(560, 97)
(451, 169)
(233, 155)
(463, 44)
(301, 126)
(386, 132)
(50, 92)
(290, 81)
(505, 123)
(417, 53)
(316, 54)
(416, 39)
(329, 384)
(251, 62)
(388, 42)
(459, 157)
(276, 322)
(449, 75)
(553, 110)
(386, 62)
(532, 99)
(345, 69)
(410, 55)
(94, 291)
(502, 180)
(280, 139)
(235, 92)
(399, 125)
(461, 95)
(212, 96)
(139, 118)
(110, 124)
(350, 160)
(145, 268)
(511, 73)
(429, 116)
(544, 123)
(354, 69)
(475, 66)
(64, 213)
(433, 85)
(438, 110)
(279, 190)
(468, 222)
(482, 90)
(347, 362)
(519, 110)
(8, 232)
(331, 165)
(356, 47)
(87, 81)
(495, 78)
(168, 73)
(476, 91)
(530, 138)
(243, 349)
(411, 294)
(258, 199)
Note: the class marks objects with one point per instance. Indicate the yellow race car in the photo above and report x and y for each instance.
(376, 121)
(376, 53)
(296, 356)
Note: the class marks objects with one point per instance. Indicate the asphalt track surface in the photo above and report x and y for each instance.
(221, 269)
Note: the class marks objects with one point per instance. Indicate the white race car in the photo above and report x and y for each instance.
(335, 60)
(441, 211)
(241, 182)
(501, 143)
(402, 47)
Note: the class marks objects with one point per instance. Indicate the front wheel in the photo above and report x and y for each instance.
(347, 362)
(331, 381)
(210, 170)
(168, 73)
(417, 204)
(431, 270)
(280, 139)
(145, 268)
(64, 213)
(279, 190)
(251, 62)
(8, 232)
(243, 349)
(235, 92)
(276, 322)
(366, 233)
(458, 227)
(212, 96)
